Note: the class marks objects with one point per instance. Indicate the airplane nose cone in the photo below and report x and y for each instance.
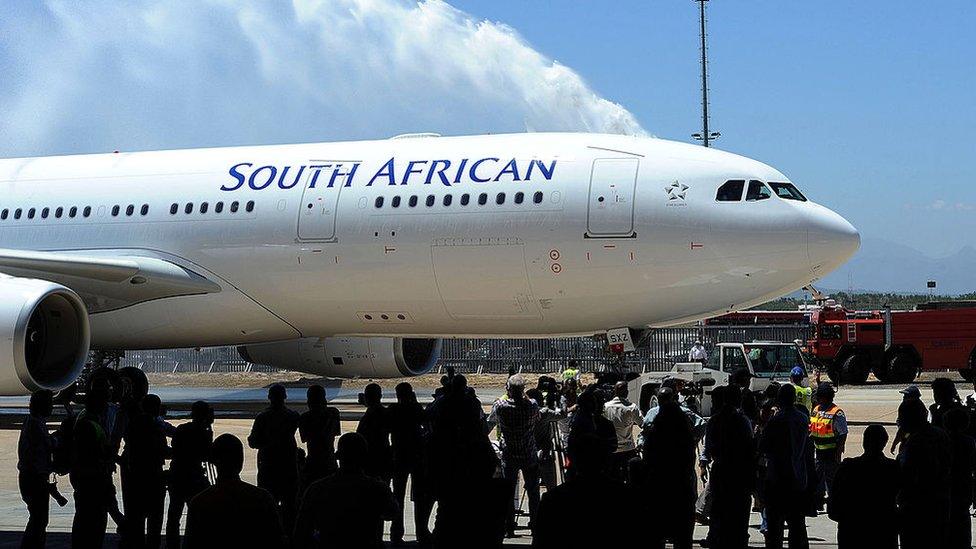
(831, 241)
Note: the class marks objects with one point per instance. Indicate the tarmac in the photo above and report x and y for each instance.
(863, 405)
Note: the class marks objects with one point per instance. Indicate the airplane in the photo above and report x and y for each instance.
(354, 259)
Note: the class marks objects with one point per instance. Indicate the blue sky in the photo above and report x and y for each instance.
(868, 106)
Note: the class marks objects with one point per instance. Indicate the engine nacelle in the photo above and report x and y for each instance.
(348, 357)
(45, 335)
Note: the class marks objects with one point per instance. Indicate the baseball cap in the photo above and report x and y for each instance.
(911, 391)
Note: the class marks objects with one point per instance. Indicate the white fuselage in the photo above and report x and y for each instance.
(626, 232)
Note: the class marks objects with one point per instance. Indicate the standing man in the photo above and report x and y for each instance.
(91, 469)
(407, 420)
(624, 415)
(375, 428)
(318, 429)
(730, 447)
(804, 395)
(34, 465)
(187, 475)
(698, 353)
(516, 417)
(273, 436)
(143, 485)
(828, 428)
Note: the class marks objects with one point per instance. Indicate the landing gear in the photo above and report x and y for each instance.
(104, 364)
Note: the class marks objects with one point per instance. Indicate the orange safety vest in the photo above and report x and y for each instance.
(822, 427)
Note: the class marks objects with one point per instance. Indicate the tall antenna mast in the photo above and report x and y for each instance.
(705, 136)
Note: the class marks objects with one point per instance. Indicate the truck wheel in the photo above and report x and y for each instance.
(881, 372)
(854, 370)
(969, 372)
(903, 368)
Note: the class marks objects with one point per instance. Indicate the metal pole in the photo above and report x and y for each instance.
(704, 69)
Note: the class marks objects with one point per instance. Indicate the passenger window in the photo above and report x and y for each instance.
(188, 208)
(430, 200)
(174, 208)
(249, 207)
(482, 199)
(17, 213)
(465, 199)
(787, 191)
(30, 213)
(537, 197)
(73, 211)
(234, 206)
(448, 198)
(379, 202)
(519, 197)
(413, 201)
(144, 210)
(204, 207)
(3, 214)
(730, 191)
(757, 191)
(219, 207)
(44, 213)
(87, 211)
(130, 209)
(500, 199)
(395, 202)
(59, 212)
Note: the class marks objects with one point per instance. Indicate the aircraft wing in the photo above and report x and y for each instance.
(108, 279)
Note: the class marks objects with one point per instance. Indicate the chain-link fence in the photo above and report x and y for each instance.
(658, 350)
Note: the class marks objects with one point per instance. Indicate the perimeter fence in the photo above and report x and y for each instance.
(658, 350)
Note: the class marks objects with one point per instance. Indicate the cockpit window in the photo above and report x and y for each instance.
(787, 191)
(730, 191)
(757, 191)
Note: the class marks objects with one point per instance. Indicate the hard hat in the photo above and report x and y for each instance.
(797, 372)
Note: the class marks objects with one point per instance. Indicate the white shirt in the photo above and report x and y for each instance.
(697, 353)
(624, 415)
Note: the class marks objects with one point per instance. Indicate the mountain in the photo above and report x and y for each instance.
(884, 266)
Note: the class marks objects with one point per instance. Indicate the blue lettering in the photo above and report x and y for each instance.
(440, 172)
(236, 175)
(474, 166)
(547, 173)
(272, 171)
(284, 172)
(510, 168)
(315, 175)
(348, 175)
(410, 170)
(460, 170)
(385, 171)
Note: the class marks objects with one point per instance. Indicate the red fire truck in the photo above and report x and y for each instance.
(895, 345)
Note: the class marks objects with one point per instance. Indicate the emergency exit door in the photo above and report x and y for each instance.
(611, 199)
(320, 200)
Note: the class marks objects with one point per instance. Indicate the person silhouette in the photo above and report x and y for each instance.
(925, 497)
(34, 466)
(347, 508)
(730, 446)
(789, 477)
(143, 484)
(865, 491)
(92, 461)
(374, 426)
(956, 422)
(407, 433)
(232, 513)
(611, 508)
(318, 429)
(187, 473)
(273, 436)
(668, 468)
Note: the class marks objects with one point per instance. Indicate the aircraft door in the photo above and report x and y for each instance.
(611, 199)
(320, 200)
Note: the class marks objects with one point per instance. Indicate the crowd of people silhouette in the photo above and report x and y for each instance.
(766, 451)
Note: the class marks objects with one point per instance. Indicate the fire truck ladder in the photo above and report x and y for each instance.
(851, 331)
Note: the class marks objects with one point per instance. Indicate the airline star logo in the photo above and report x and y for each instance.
(676, 191)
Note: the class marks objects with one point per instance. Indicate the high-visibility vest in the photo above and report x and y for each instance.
(570, 373)
(822, 427)
(804, 396)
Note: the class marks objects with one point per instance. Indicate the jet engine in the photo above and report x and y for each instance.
(45, 335)
(348, 357)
